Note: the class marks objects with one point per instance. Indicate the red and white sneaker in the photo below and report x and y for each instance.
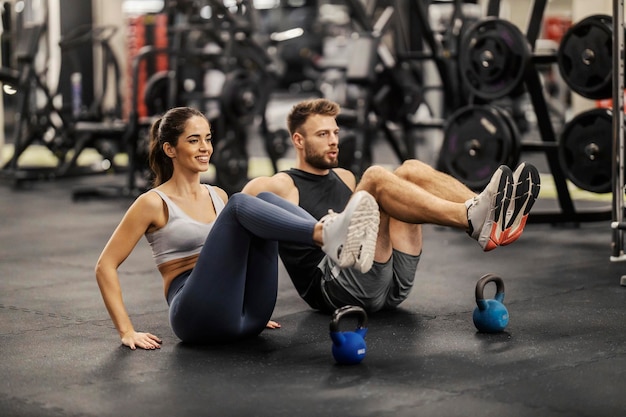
(525, 192)
(486, 212)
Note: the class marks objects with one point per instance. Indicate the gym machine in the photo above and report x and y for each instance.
(65, 132)
(380, 83)
(221, 44)
(68, 118)
(217, 65)
(377, 92)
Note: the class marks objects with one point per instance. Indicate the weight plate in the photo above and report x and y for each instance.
(586, 149)
(231, 164)
(477, 140)
(493, 57)
(585, 57)
(350, 157)
(241, 95)
(155, 94)
(277, 143)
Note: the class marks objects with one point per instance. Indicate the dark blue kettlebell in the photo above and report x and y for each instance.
(348, 347)
(491, 316)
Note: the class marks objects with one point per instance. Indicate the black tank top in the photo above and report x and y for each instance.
(317, 194)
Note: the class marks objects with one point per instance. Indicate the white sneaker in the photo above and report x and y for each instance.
(487, 211)
(350, 236)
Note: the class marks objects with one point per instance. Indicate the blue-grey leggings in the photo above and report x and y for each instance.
(231, 291)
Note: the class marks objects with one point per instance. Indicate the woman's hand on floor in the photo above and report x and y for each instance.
(272, 325)
(146, 341)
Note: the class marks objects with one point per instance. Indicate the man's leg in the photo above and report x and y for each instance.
(394, 234)
(417, 194)
(409, 202)
(435, 182)
(525, 191)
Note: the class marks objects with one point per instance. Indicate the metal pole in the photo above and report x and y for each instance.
(2, 127)
(618, 133)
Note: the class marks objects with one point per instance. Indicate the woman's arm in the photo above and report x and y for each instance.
(143, 213)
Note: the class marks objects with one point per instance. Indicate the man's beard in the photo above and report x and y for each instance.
(318, 161)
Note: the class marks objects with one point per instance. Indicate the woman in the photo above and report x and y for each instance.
(218, 257)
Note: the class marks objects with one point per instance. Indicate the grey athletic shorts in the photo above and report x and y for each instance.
(383, 287)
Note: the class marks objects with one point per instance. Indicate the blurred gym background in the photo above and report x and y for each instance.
(463, 85)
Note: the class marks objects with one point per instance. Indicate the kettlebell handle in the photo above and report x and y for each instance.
(484, 280)
(348, 310)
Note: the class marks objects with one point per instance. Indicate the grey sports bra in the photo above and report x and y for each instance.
(182, 236)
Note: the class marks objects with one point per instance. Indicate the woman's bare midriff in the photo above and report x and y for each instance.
(171, 269)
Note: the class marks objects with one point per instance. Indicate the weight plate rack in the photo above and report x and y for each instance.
(618, 225)
(581, 160)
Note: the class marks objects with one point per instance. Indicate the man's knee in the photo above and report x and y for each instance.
(373, 178)
(412, 169)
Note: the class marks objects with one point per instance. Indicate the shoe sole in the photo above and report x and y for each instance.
(360, 244)
(500, 205)
(526, 192)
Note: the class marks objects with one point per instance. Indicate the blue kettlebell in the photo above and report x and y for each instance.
(491, 316)
(348, 347)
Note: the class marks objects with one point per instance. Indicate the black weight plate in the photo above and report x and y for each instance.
(277, 143)
(350, 157)
(155, 94)
(241, 95)
(493, 57)
(586, 149)
(231, 165)
(477, 140)
(585, 57)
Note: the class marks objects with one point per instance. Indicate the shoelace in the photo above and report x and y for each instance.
(329, 217)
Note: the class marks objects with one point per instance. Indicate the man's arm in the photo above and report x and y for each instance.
(347, 177)
(280, 184)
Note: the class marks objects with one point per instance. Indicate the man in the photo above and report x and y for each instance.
(412, 195)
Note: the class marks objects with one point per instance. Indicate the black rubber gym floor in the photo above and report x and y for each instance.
(562, 354)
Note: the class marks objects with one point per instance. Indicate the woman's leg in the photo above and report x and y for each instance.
(231, 292)
(281, 202)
